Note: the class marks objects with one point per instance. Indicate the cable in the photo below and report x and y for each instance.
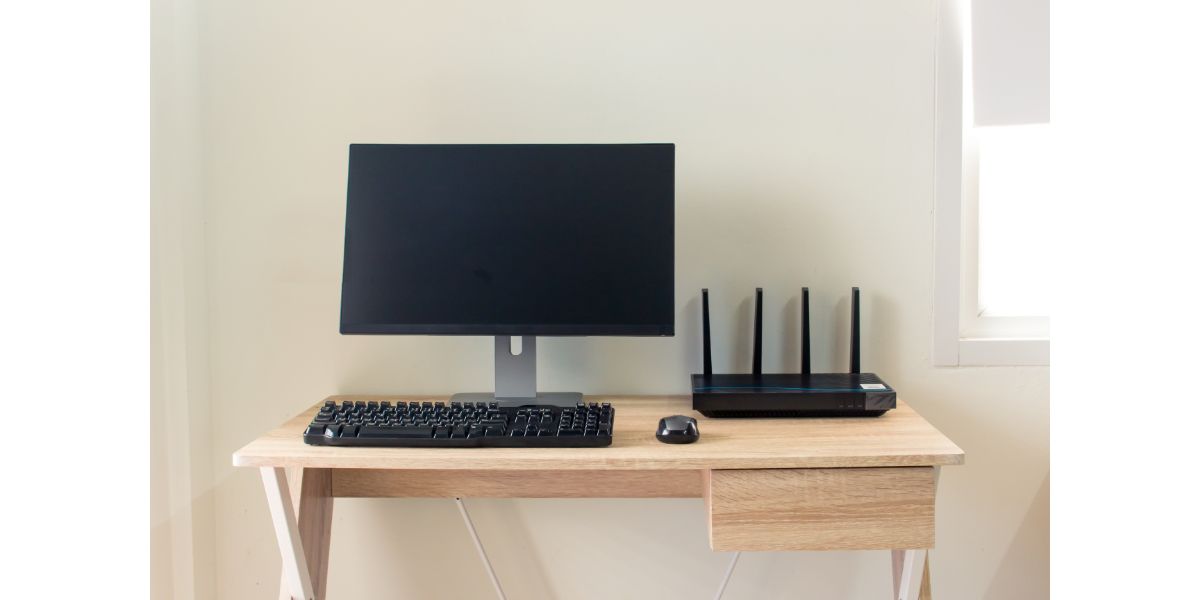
(728, 573)
(462, 508)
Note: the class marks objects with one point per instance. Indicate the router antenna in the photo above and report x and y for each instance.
(707, 336)
(854, 351)
(805, 363)
(758, 331)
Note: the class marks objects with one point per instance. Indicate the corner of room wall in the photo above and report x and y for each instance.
(182, 516)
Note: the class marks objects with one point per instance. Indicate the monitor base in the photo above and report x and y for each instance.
(560, 399)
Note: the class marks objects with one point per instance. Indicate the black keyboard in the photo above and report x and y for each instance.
(460, 424)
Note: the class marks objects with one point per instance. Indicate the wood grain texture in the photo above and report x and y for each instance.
(311, 491)
(820, 509)
(899, 438)
(897, 570)
(459, 483)
(926, 586)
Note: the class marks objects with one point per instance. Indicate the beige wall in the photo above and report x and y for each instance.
(804, 150)
(181, 500)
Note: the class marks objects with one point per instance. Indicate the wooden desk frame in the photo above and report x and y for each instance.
(786, 484)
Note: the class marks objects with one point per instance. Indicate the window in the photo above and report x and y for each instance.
(991, 186)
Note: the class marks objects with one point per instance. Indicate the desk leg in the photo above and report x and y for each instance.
(910, 575)
(302, 508)
(910, 568)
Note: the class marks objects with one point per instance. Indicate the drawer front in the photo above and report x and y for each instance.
(820, 509)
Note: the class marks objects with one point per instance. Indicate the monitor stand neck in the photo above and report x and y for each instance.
(516, 378)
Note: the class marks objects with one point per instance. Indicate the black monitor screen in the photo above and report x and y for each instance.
(510, 239)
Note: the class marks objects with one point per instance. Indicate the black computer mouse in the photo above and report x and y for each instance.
(677, 429)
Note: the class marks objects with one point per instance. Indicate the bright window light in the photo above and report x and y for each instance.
(1014, 195)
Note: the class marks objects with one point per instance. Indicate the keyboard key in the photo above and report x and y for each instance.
(396, 432)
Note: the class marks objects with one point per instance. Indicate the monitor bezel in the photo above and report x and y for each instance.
(549, 330)
(517, 329)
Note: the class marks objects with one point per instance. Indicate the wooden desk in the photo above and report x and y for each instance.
(768, 484)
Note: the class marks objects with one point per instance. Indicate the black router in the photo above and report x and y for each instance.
(803, 394)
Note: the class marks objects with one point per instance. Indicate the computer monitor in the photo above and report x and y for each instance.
(510, 240)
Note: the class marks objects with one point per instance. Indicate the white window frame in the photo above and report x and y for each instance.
(961, 335)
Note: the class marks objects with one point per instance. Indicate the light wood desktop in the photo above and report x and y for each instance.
(768, 484)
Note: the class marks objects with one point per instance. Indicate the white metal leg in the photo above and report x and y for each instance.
(728, 574)
(911, 571)
(462, 509)
(287, 532)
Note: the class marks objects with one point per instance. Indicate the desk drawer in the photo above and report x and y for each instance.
(820, 509)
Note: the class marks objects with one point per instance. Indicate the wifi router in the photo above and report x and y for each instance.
(802, 394)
